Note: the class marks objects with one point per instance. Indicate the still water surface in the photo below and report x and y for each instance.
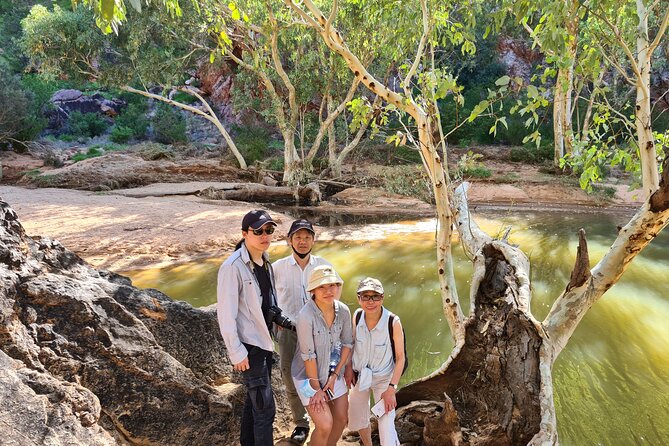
(612, 380)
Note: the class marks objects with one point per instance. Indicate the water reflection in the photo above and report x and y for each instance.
(612, 380)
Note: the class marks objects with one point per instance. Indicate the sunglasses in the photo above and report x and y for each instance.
(260, 231)
(368, 297)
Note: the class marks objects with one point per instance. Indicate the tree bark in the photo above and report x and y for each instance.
(645, 140)
(209, 116)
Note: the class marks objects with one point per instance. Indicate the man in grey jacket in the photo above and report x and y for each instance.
(292, 274)
(245, 294)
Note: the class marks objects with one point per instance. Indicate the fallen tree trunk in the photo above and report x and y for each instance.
(304, 195)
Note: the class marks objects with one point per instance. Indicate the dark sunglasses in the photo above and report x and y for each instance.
(367, 297)
(268, 230)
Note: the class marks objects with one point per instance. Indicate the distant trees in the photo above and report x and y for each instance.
(153, 50)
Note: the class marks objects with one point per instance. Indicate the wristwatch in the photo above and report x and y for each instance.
(394, 386)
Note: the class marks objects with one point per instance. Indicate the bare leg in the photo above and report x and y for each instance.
(322, 420)
(339, 409)
(366, 436)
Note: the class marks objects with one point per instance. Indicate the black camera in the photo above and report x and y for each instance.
(279, 319)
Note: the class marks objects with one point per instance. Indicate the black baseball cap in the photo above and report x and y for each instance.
(301, 224)
(256, 219)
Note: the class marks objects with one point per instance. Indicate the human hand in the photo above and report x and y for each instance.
(318, 401)
(349, 376)
(389, 400)
(242, 366)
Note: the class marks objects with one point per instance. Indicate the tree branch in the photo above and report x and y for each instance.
(581, 272)
(420, 51)
(572, 305)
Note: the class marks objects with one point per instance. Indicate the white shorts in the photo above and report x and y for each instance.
(340, 389)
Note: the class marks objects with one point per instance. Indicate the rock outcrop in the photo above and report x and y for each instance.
(65, 102)
(88, 359)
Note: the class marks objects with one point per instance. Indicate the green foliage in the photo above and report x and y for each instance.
(185, 98)
(254, 143)
(121, 134)
(86, 124)
(92, 152)
(470, 166)
(407, 180)
(275, 163)
(532, 154)
(43, 89)
(133, 117)
(169, 126)
(19, 120)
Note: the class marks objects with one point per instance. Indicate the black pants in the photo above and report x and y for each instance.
(259, 408)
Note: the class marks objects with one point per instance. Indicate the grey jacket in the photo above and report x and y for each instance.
(239, 305)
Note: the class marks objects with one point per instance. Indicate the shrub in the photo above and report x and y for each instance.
(86, 124)
(469, 165)
(91, 153)
(184, 98)
(121, 134)
(477, 172)
(169, 126)
(408, 180)
(532, 154)
(19, 120)
(133, 117)
(252, 142)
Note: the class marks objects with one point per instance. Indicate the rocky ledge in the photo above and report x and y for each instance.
(88, 359)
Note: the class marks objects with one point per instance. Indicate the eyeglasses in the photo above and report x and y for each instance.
(260, 231)
(368, 297)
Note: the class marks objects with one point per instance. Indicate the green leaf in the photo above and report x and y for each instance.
(212, 57)
(107, 9)
(532, 91)
(503, 81)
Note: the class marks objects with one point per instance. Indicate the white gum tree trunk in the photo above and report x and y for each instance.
(645, 140)
(209, 115)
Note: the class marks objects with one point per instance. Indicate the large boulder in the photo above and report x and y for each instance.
(86, 358)
(64, 102)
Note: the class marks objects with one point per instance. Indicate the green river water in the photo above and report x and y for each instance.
(612, 380)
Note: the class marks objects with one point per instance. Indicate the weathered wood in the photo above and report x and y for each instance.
(494, 382)
(581, 272)
(308, 195)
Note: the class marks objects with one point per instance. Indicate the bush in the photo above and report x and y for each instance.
(19, 120)
(532, 154)
(133, 117)
(408, 180)
(253, 142)
(121, 134)
(86, 124)
(169, 126)
(91, 153)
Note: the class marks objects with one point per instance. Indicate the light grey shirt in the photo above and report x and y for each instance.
(239, 305)
(291, 283)
(315, 340)
(372, 348)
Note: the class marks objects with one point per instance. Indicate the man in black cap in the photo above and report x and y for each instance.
(245, 293)
(292, 274)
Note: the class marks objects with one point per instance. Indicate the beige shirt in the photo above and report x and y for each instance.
(291, 283)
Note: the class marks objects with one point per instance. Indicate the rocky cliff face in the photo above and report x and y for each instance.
(88, 359)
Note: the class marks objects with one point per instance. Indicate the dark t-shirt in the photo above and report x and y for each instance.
(262, 274)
